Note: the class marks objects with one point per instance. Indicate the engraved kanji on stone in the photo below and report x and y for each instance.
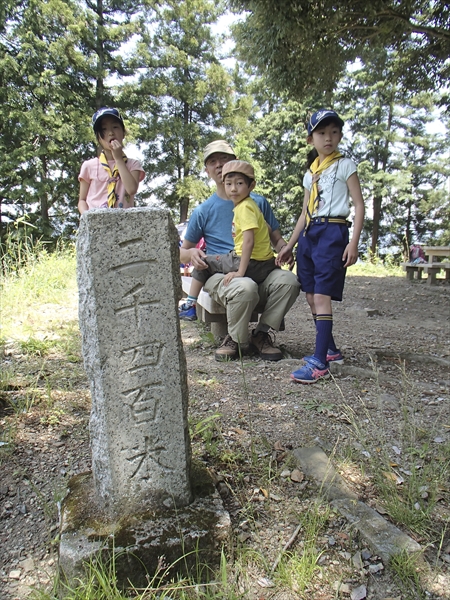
(136, 303)
(144, 356)
(144, 402)
(145, 458)
(137, 268)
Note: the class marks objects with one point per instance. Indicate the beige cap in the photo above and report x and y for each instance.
(217, 146)
(238, 166)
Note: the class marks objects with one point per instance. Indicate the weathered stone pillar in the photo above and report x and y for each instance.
(129, 287)
(144, 503)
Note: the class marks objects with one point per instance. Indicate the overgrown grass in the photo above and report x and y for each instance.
(38, 299)
(375, 267)
(410, 478)
(408, 569)
(297, 568)
(99, 583)
(31, 277)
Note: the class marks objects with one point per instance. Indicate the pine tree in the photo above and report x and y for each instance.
(183, 97)
(56, 58)
(400, 163)
(43, 96)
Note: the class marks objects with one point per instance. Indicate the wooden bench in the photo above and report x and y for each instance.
(209, 311)
(432, 269)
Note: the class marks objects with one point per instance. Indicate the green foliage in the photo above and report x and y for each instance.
(183, 93)
(402, 167)
(407, 568)
(44, 94)
(161, 63)
(280, 149)
(374, 266)
(33, 274)
(297, 569)
(301, 45)
(54, 59)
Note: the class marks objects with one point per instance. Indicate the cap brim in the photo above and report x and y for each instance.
(332, 118)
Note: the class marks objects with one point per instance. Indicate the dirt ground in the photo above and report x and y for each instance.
(391, 394)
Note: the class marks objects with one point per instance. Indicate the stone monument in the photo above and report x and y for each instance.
(142, 491)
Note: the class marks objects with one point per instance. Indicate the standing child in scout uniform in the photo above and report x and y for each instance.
(324, 251)
(112, 179)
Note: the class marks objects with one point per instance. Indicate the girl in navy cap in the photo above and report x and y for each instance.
(112, 179)
(323, 247)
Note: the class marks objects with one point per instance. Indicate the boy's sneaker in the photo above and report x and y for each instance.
(311, 372)
(335, 356)
(332, 356)
(187, 312)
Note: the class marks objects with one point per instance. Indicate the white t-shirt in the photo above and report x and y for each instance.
(333, 191)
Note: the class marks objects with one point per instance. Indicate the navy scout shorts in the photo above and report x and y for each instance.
(320, 269)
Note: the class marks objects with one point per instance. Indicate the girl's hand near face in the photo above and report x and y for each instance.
(116, 149)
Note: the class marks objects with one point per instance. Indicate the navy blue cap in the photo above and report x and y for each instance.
(320, 115)
(105, 112)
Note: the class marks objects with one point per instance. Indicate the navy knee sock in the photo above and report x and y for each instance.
(331, 344)
(324, 327)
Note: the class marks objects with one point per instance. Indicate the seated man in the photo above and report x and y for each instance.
(273, 297)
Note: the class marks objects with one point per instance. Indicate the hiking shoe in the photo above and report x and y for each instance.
(335, 356)
(332, 356)
(263, 343)
(187, 312)
(311, 372)
(228, 350)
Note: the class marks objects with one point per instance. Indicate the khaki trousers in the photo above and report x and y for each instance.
(273, 298)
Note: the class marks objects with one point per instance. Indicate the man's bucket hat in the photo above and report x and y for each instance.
(217, 146)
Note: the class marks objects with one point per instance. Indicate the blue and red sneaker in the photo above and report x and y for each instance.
(332, 356)
(311, 372)
(187, 312)
(335, 356)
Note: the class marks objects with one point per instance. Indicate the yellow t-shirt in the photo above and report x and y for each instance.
(248, 216)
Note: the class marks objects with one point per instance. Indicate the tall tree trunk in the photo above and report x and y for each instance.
(44, 196)
(406, 242)
(378, 199)
(100, 87)
(377, 202)
(184, 202)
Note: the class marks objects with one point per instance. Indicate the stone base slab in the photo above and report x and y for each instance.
(165, 541)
